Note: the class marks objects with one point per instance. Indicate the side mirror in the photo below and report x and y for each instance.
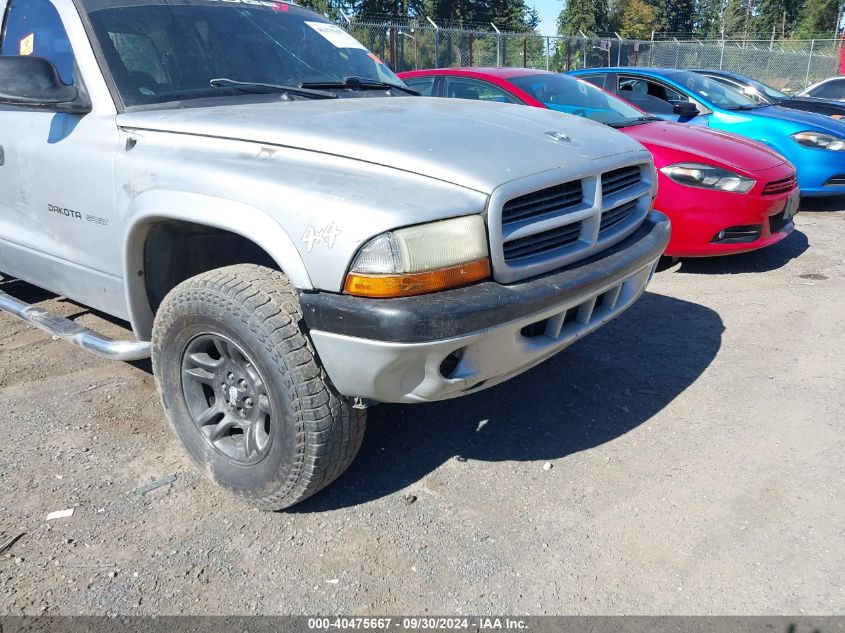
(685, 109)
(35, 82)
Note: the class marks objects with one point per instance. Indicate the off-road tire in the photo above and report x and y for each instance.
(315, 432)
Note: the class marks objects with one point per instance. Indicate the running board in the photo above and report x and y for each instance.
(72, 332)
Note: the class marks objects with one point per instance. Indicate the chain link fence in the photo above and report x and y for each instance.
(784, 64)
(413, 46)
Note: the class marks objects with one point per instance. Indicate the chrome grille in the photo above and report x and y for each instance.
(548, 201)
(540, 223)
(620, 179)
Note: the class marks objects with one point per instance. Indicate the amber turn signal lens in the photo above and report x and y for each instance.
(410, 284)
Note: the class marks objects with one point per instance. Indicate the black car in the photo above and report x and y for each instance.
(767, 95)
(830, 88)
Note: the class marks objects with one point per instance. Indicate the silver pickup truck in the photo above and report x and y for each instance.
(291, 232)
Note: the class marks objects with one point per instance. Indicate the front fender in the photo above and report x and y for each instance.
(250, 222)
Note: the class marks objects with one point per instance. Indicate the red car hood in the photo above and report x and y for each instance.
(665, 140)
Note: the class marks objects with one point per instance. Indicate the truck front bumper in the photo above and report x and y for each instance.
(447, 344)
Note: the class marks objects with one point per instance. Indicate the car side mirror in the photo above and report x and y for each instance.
(34, 82)
(685, 109)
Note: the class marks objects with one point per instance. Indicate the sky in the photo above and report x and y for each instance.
(549, 10)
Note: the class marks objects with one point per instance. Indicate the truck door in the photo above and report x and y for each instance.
(58, 228)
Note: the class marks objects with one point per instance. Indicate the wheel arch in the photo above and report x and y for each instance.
(154, 209)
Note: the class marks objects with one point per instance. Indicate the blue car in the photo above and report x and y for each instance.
(813, 143)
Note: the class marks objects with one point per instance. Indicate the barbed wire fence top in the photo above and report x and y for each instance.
(414, 44)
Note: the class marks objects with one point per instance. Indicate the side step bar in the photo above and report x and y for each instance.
(72, 332)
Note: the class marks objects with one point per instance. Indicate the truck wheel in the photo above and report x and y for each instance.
(244, 390)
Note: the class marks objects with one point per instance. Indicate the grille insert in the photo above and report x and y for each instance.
(613, 182)
(561, 221)
(556, 200)
(779, 186)
(543, 242)
(836, 181)
(617, 215)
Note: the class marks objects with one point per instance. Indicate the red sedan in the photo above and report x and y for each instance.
(725, 194)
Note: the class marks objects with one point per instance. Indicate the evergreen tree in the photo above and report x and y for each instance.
(660, 15)
(615, 9)
(771, 16)
(323, 7)
(507, 15)
(737, 20)
(680, 15)
(819, 17)
(577, 15)
(637, 20)
(602, 13)
(708, 22)
(532, 19)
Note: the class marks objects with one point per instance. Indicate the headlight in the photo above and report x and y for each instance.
(817, 140)
(421, 259)
(708, 177)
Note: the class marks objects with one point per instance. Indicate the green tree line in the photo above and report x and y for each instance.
(629, 18)
(507, 15)
(704, 18)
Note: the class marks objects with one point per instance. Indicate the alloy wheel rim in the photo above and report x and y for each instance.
(227, 398)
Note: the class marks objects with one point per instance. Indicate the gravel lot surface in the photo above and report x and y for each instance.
(688, 458)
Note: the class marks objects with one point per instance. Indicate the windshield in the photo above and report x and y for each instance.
(570, 95)
(717, 93)
(767, 90)
(170, 50)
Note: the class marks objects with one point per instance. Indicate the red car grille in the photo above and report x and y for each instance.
(779, 186)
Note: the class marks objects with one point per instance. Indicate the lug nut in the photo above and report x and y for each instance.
(242, 413)
(248, 403)
(242, 384)
(230, 378)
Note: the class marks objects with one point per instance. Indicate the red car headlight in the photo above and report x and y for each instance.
(708, 177)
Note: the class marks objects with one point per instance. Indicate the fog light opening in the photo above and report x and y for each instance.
(738, 234)
(449, 365)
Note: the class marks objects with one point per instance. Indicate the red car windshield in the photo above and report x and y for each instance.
(569, 95)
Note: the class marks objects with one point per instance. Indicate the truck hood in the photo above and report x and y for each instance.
(701, 144)
(467, 143)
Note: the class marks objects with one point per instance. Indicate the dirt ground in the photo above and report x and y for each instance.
(696, 444)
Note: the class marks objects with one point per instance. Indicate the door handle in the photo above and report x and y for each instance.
(2, 156)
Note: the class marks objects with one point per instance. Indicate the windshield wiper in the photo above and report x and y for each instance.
(746, 107)
(260, 88)
(638, 121)
(357, 83)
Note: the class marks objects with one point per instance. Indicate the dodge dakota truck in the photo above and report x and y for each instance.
(292, 234)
